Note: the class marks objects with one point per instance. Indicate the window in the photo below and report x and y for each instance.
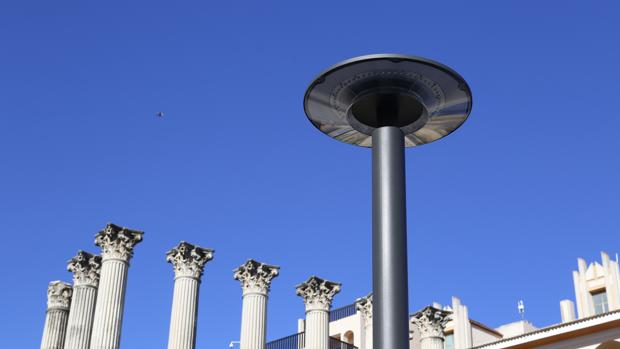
(600, 302)
(449, 341)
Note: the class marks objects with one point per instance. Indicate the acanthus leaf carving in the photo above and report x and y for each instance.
(256, 277)
(117, 242)
(318, 293)
(431, 322)
(364, 306)
(189, 260)
(59, 295)
(86, 268)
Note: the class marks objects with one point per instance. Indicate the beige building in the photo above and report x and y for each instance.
(592, 321)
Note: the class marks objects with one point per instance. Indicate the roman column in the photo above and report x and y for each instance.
(430, 322)
(255, 278)
(318, 295)
(364, 307)
(58, 301)
(85, 268)
(117, 244)
(188, 262)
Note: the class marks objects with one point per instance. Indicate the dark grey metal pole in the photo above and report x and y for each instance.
(389, 240)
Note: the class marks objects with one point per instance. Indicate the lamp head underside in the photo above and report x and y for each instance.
(425, 99)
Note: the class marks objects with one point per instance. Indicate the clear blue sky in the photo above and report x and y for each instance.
(498, 211)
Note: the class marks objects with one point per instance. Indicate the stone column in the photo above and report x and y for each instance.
(85, 268)
(462, 326)
(188, 262)
(58, 301)
(117, 244)
(430, 322)
(255, 278)
(364, 307)
(318, 295)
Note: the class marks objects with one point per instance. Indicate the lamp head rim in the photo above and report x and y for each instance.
(431, 64)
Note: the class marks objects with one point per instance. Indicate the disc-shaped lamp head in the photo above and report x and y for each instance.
(425, 99)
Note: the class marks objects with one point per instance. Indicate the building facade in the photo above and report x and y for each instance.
(592, 321)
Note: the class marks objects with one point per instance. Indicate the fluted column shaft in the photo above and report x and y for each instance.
(108, 318)
(117, 245)
(255, 278)
(317, 329)
(431, 343)
(85, 268)
(188, 262)
(81, 316)
(55, 329)
(368, 334)
(183, 321)
(253, 320)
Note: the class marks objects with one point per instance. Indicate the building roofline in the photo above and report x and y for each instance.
(486, 328)
(557, 329)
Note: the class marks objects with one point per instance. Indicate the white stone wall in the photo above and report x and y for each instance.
(352, 324)
(480, 336)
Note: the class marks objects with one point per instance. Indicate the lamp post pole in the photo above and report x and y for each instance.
(388, 102)
(389, 240)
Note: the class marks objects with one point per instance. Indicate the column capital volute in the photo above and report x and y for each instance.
(255, 277)
(431, 322)
(318, 293)
(117, 242)
(59, 295)
(364, 306)
(189, 260)
(86, 268)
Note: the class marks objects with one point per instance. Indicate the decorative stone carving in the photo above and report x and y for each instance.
(59, 295)
(85, 268)
(431, 321)
(317, 293)
(189, 260)
(364, 306)
(117, 242)
(255, 277)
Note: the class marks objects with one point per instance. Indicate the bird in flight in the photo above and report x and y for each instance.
(159, 114)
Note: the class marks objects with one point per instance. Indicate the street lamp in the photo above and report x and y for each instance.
(388, 102)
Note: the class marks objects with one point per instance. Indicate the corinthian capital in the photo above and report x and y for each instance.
(364, 306)
(189, 260)
(255, 277)
(117, 242)
(59, 295)
(85, 268)
(317, 293)
(431, 321)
